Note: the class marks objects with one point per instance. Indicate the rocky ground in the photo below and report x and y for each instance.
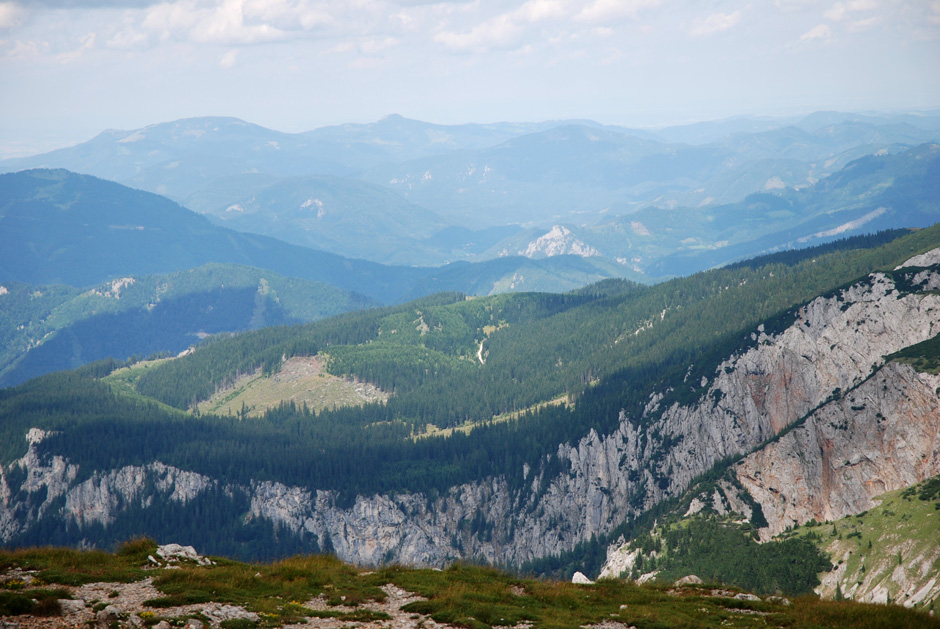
(102, 605)
(124, 607)
(110, 605)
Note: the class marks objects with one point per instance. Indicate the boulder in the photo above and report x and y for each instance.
(172, 553)
(690, 579)
(107, 617)
(71, 606)
(580, 579)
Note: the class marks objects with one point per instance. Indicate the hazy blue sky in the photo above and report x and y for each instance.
(71, 68)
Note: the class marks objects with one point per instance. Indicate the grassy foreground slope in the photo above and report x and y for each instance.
(321, 591)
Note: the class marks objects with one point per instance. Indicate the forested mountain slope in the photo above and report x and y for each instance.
(591, 408)
(48, 328)
(61, 227)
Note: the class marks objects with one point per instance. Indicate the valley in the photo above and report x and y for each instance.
(554, 348)
(530, 314)
(564, 488)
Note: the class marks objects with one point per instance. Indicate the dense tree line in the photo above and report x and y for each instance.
(794, 256)
(728, 553)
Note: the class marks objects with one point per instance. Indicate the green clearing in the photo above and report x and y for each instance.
(123, 382)
(302, 380)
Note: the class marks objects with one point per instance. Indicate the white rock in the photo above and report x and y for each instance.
(175, 553)
(71, 606)
(689, 580)
(580, 579)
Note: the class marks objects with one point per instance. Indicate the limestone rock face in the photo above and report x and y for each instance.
(833, 345)
(620, 560)
(883, 435)
(97, 499)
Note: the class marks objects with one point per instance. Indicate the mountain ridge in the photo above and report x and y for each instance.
(650, 450)
(62, 227)
(571, 172)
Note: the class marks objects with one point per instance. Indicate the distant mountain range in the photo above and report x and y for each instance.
(325, 205)
(407, 192)
(872, 193)
(65, 228)
(91, 268)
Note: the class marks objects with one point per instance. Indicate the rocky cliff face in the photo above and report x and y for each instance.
(832, 346)
(52, 487)
(875, 436)
(881, 436)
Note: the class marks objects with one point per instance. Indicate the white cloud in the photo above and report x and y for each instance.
(611, 10)
(794, 5)
(229, 58)
(538, 10)
(862, 5)
(860, 25)
(224, 22)
(715, 24)
(839, 11)
(505, 30)
(822, 31)
(836, 13)
(934, 17)
(498, 32)
(92, 4)
(236, 22)
(11, 15)
(88, 43)
(24, 50)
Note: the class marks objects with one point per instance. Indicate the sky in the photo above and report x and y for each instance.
(70, 69)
